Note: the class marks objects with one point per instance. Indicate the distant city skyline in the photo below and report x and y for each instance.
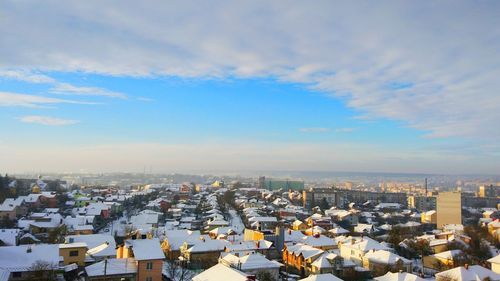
(405, 87)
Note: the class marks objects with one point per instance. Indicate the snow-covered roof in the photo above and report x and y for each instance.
(319, 241)
(208, 245)
(385, 257)
(323, 261)
(95, 240)
(338, 230)
(249, 245)
(146, 249)
(473, 272)
(306, 250)
(215, 273)
(321, 277)
(22, 258)
(365, 244)
(399, 276)
(448, 255)
(113, 267)
(73, 245)
(9, 236)
(293, 235)
(250, 261)
(176, 238)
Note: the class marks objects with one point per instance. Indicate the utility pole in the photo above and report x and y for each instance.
(105, 267)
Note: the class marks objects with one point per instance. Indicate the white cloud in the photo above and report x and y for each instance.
(26, 76)
(25, 100)
(314, 130)
(345, 130)
(46, 120)
(446, 51)
(68, 89)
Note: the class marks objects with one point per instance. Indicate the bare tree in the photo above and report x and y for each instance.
(177, 271)
(43, 271)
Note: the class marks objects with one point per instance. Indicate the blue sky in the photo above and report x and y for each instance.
(260, 86)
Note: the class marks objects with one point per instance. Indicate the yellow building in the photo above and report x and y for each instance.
(429, 217)
(495, 264)
(299, 225)
(148, 256)
(448, 208)
(381, 261)
(442, 261)
(73, 253)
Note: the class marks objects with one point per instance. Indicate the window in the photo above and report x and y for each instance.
(16, 274)
(73, 253)
(149, 266)
(149, 278)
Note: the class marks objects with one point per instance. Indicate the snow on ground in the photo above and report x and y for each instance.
(237, 225)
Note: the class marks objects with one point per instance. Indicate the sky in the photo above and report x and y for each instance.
(180, 86)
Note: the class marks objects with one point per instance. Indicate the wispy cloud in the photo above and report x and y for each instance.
(26, 76)
(314, 130)
(47, 120)
(344, 130)
(25, 100)
(69, 89)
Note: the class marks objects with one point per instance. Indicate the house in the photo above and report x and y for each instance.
(12, 208)
(364, 228)
(381, 261)
(299, 225)
(333, 263)
(321, 277)
(148, 256)
(442, 260)
(112, 270)
(399, 276)
(495, 264)
(100, 246)
(73, 253)
(354, 249)
(429, 217)
(174, 239)
(252, 264)
(337, 230)
(215, 273)
(263, 223)
(9, 237)
(22, 262)
(246, 247)
(300, 257)
(467, 273)
(205, 252)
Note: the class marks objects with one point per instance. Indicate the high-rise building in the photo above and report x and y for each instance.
(489, 191)
(449, 208)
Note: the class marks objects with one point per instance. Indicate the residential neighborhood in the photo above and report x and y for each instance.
(207, 231)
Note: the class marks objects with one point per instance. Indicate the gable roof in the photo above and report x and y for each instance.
(399, 276)
(473, 272)
(321, 277)
(146, 249)
(217, 271)
(22, 258)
